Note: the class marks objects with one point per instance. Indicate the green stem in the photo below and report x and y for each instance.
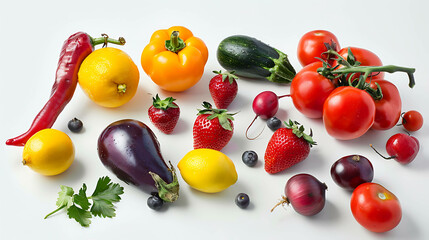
(106, 39)
(122, 88)
(175, 44)
(169, 192)
(58, 209)
(370, 69)
(283, 71)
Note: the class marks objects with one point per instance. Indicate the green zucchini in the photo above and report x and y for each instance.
(251, 58)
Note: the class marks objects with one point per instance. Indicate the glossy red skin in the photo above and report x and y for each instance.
(306, 194)
(412, 120)
(210, 134)
(309, 90)
(164, 120)
(350, 171)
(388, 109)
(74, 50)
(403, 147)
(348, 113)
(284, 150)
(311, 45)
(266, 104)
(222, 92)
(375, 208)
(366, 58)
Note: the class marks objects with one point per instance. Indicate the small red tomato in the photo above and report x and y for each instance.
(375, 208)
(348, 113)
(412, 120)
(366, 58)
(309, 90)
(312, 45)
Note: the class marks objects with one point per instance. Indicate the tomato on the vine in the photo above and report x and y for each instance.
(348, 113)
(375, 208)
(366, 58)
(309, 90)
(388, 109)
(312, 45)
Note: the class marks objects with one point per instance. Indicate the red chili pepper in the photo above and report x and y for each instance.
(75, 49)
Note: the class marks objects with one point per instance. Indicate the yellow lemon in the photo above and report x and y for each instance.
(48, 152)
(109, 77)
(207, 170)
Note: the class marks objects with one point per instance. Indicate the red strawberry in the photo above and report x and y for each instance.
(223, 92)
(213, 128)
(164, 114)
(287, 147)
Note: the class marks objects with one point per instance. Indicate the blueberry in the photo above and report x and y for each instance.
(274, 123)
(242, 200)
(155, 202)
(250, 158)
(75, 125)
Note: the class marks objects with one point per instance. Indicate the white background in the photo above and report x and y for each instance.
(31, 36)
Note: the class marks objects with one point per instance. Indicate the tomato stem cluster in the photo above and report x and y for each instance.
(346, 70)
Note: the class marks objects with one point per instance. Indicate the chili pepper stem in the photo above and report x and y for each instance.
(101, 40)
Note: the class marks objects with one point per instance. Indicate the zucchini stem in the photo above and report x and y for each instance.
(283, 71)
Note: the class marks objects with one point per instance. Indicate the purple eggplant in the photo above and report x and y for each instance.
(131, 151)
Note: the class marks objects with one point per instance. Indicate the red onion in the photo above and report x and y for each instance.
(305, 193)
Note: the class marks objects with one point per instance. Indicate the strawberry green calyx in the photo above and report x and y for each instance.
(221, 114)
(298, 130)
(164, 104)
(227, 75)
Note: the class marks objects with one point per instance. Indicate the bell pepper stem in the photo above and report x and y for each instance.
(175, 44)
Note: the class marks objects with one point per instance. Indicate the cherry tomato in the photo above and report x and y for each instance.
(348, 113)
(412, 120)
(375, 208)
(311, 45)
(366, 58)
(309, 90)
(388, 109)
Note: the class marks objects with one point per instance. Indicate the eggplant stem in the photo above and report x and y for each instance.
(168, 192)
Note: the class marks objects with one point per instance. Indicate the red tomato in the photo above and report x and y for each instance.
(309, 90)
(375, 208)
(311, 45)
(348, 113)
(366, 58)
(388, 109)
(412, 120)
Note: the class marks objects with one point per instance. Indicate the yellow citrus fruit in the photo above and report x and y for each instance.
(48, 152)
(109, 77)
(207, 170)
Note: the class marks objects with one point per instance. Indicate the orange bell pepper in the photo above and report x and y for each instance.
(174, 59)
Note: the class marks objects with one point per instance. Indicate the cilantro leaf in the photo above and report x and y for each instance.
(78, 205)
(81, 199)
(103, 197)
(81, 216)
(65, 196)
(102, 208)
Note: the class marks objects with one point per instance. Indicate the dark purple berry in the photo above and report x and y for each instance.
(250, 158)
(242, 200)
(75, 125)
(274, 123)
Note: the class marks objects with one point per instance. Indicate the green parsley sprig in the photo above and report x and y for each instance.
(78, 206)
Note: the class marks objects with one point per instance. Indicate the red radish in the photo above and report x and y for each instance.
(401, 147)
(265, 105)
(305, 193)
